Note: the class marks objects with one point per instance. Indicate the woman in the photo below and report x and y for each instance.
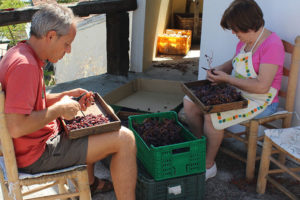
(257, 71)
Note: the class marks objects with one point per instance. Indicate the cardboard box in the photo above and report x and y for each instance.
(100, 107)
(148, 95)
(186, 87)
(174, 41)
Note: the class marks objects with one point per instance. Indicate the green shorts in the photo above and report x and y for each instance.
(60, 152)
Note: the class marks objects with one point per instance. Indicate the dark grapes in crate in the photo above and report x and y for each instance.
(159, 132)
(211, 94)
(89, 120)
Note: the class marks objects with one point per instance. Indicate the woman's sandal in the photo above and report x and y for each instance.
(107, 187)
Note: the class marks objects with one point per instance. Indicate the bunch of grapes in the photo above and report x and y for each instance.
(210, 94)
(89, 120)
(159, 132)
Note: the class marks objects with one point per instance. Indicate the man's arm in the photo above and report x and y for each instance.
(52, 98)
(19, 124)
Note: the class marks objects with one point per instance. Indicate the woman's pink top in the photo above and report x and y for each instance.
(270, 51)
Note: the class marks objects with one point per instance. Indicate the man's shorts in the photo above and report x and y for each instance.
(60, 152)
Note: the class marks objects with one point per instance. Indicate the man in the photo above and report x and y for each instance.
(31, 114)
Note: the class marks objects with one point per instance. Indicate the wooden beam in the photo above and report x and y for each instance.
(117, 27)
(86, 8)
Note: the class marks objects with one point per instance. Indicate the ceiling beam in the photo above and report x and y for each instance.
(85, 8)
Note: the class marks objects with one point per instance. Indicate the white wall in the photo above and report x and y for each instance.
(88, 54)
(137, 35)
(280, 16)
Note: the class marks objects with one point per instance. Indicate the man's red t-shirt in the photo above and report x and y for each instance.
(21, 76)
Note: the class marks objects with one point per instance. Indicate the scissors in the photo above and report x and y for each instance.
(77, 99)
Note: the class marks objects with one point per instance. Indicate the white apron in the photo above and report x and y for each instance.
(257, 103)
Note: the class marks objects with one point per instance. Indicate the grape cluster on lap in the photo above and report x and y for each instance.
(159, 132)
(89, 120)
(216, 94)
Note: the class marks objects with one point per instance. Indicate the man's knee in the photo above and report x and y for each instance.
(127, 138)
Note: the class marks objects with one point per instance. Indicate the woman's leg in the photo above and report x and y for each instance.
(214, 140)
(194, 117)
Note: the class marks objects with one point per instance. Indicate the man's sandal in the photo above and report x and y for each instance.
(107, 187)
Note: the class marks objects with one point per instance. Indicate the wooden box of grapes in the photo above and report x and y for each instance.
(99, 118)
(212, 98)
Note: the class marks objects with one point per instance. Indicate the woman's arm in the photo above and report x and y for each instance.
(225, 67)
(259, 85)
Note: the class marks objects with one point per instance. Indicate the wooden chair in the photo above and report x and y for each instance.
(12, 186)
(286, 141)
(250, 135)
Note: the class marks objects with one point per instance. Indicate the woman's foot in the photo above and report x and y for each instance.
(211, 172)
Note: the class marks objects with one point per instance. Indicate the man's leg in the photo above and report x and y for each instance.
(214, 140)
(121, 144)
(194, 117)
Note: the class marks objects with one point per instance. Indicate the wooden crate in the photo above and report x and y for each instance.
(100, 107)
(174, 41)
(186, 87)
(186, 21)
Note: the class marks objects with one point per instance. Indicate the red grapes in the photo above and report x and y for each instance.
(89, 120)
(159, 132)
(216, 94)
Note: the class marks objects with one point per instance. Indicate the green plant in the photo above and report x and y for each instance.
(14, 32)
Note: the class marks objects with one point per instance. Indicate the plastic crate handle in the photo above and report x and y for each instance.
(181, 150)
(175, 190)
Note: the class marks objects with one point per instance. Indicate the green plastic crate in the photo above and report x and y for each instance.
(190, 187)
(165, 162)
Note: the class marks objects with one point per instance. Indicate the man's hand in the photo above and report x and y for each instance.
(86, 100)
(68, 107)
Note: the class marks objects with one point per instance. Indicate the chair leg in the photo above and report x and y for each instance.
(251, 154)
(3, 186)
(286, 123)
(282, 158)
(61, 187)
(83, 185)
(246, 137)
(15, 191)
(264, 166)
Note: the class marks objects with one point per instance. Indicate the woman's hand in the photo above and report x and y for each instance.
(217, 76)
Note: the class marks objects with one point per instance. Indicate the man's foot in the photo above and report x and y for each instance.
(211, 172)
(101, 186)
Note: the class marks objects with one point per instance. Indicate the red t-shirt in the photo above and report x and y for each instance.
(21, 76)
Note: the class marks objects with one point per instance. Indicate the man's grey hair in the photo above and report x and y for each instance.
(51, 17)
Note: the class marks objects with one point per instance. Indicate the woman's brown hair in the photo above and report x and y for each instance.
(242, 15)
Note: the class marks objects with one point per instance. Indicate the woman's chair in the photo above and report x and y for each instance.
(12, 182)
(250, 135)
(286, 141)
